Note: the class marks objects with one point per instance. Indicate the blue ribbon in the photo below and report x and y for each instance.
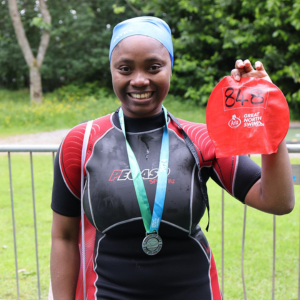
(151, 224)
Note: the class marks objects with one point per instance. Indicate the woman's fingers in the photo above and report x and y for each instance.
(241, 68)
(236, 74)
(245, 69)
(259, 66)
(239, 64)
(248, 67)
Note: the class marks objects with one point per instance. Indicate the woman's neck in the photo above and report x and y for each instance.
(140, 124)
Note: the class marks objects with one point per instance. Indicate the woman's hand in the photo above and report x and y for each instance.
(245, 69)
(274, 192)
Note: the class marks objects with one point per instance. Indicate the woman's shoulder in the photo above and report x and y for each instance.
(74, 139)
(189, 127)
(198, 133)
(71, 147)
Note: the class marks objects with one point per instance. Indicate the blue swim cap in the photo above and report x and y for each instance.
(148, 26)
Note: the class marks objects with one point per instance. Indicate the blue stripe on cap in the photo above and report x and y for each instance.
(147, 26)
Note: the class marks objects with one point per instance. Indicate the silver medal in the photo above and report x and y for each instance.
(152, 244)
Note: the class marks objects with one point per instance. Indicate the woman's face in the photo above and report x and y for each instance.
(141, 72)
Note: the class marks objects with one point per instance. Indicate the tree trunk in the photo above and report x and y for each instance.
(34, 64)
(36, 93)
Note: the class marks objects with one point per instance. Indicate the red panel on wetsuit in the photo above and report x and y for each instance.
(226, 169)
(199, 136)
(70, 154)
(91, 276)
(70, 158)
(216, 295)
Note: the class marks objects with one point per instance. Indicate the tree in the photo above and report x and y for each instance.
(81, 33)
(34, 63)
(210, 35)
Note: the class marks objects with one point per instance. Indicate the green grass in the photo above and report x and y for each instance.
(68, 107)
(18, 116)
(24, 225)
(258, 247)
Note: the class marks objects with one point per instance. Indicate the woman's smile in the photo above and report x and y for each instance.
(142, 96)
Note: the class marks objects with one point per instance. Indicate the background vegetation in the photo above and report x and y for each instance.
(69, 106)
(208, 37)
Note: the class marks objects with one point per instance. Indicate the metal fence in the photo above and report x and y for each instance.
(292, 148)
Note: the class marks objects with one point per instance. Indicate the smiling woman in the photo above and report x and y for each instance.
(141, 70)
(145, 175)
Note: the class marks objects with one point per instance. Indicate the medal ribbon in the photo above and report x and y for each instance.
(151, 223)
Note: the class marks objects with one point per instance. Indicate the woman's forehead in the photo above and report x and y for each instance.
(137, 45)
(141, 40)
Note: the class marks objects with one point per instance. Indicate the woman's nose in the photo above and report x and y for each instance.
(139, 79)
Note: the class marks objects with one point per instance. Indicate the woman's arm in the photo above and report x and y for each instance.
(65, 256)
(274, 192)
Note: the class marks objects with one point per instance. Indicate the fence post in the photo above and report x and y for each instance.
(35, 228)
(243, 251)
(296, 180)
(274, 257)
(14, 225)
(223, 244)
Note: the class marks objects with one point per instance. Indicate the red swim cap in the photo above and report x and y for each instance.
(246, 117)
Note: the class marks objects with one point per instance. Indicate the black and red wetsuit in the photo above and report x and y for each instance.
(117, 267)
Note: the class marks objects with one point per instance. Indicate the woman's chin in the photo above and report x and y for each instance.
(141, 111)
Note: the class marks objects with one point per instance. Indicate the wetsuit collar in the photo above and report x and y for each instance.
(140, 124)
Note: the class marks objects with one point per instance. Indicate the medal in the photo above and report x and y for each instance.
(152, 243)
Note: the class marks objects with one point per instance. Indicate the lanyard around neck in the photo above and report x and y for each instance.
(151, 223)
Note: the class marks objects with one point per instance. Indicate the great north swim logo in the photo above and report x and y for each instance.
(253, 120)
(234, 122)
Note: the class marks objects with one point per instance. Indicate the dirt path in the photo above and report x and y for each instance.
(42, 138)
(55, 137)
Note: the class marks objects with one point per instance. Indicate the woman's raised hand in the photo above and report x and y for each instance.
(245, 69)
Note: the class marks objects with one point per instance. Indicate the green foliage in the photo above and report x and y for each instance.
(39, 23)
(80, 92)
(208, 37)
(118, 9)
(13, 68)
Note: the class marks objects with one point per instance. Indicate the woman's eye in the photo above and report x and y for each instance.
(124, 69)
(154, 67)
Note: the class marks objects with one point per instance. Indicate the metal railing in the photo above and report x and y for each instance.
(26, 148)
(292, 148)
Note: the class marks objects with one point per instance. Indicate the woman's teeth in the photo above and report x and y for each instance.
(141, 96)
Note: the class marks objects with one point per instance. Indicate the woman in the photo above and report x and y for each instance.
(136, 250)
